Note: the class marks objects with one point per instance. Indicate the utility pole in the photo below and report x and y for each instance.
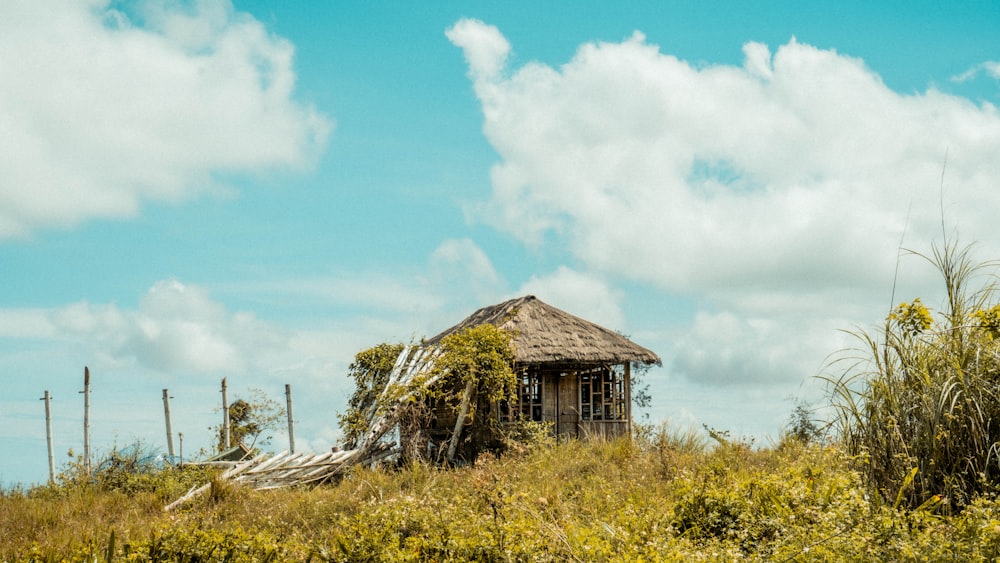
(225, 417)
(166, 415)
(291, 426)
(180, 438)
(86, 420)
(48, 435)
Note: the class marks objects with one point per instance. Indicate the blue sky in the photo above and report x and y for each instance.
(260, 189)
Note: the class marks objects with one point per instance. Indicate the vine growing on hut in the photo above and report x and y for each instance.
(370, 371)
(472, 370)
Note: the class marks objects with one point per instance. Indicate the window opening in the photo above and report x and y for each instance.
(602, 393)
(529, 399)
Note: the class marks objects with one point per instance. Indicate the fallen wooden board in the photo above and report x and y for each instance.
(286, 469)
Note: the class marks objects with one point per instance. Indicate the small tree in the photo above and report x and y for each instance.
(251, 421)
(641, 396)
(802, 426)
(640, 387)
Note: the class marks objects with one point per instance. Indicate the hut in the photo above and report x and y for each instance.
(572, 373)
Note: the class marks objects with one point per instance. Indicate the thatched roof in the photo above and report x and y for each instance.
(545, 334)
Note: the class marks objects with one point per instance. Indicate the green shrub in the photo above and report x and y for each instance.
(606, 500)
(920, 405)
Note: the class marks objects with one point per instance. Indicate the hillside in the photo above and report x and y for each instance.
(664, 496)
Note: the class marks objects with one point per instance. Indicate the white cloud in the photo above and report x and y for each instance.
(784, 182)
(486, 50)
(758, 60)
(689, 178)
(398, 304)
(176, 329)
(578, 293)
(731, 348)
(399, 294)
(466, 254)
(178, 337)
(460, 264)
(179, 328)
(989, 68)
(25, 324)
(103, 110)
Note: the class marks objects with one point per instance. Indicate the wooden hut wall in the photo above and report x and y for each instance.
(589, 424)
(564, 406)
(561, 402)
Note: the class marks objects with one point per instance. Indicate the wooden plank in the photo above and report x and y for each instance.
(285, 469)
(470, 388)
(278, 458)
(286, 459)
(289, 469)
(193, 492)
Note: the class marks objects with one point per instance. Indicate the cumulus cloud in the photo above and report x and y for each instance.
(989, 68)
(458, 270)
(177, 328)
(730, 348)
(461, 264)
(398, 304)
(634, 157)
(486, 49)
(579, 293)
(468, 255)
(789, 178)
(182, 337)
(372, 291)
(104, 109)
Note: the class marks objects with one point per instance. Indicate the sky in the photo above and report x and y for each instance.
(258, 190)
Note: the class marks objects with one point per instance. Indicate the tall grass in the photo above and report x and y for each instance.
(920, 404)
(661, 497)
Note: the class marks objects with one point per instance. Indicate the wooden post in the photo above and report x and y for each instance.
(460, 423)
(225, 417)
(291, 426)
(180, 438)
(166, 415)
(48, 435)
(628, 397)
(86, 420)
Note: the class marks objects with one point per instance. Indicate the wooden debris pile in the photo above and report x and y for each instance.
(291, 469)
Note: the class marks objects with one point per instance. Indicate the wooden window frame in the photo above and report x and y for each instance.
(528, 405)
(603, 396)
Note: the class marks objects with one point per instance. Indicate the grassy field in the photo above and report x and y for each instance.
(912, 475)
(664, 496)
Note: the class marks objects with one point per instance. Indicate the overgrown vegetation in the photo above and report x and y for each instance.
(133, 469)
(370, 371)
(911, 475)
(475, 373)
(663, 496)
(920, 406)
(251, 421)
(472, 372)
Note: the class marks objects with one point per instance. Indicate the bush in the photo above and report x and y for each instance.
(136, 469)
(920, 405)
(573, 501)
